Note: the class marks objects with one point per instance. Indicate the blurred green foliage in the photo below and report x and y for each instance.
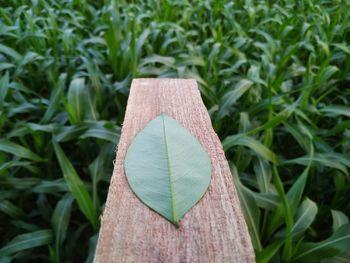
(273, 74)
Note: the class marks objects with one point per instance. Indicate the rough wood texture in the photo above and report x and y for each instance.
(214, 230)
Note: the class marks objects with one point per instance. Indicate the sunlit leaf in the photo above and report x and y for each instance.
(251, 143)
(336, 110)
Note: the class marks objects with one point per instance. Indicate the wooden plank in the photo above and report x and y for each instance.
(214, 230)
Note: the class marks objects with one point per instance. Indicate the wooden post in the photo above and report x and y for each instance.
(214, 230)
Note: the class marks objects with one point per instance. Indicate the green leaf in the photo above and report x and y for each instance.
(342, 47)
(335, 110)
(344, 258)
(75, 99)
(55, 99)
(250, 209)
(321, 160)
(67, 133)
(60, 220)
(98, 168)
(273, 122)
(50, 187)
(4, 66)
(4, 85)
(5, 260)
(263, 173)
(305, 216)
(11, 209)
(15, 163)
(293, 196)
(167, 168)
(21, 183)
(26, 241)
(265, 255)
(79, 102)
(92, 248)
(339, 219)
(76, 186)
(338, 243)
(251, 143)
(100, 133)
(287, 212)
(268, 201)
(168, 61)
(10, 52)
(18, 150)
(232, 96)
(296, 132)
(102, 130)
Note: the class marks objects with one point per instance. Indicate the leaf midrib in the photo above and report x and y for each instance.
(322, 246)
(19, 243)
(171, 183)
(301, 218)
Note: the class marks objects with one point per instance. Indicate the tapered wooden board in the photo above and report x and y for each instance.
(214, 230)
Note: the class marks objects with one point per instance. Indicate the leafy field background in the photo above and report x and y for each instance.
(274, 77)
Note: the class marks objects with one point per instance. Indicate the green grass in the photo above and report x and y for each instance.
(274, 77)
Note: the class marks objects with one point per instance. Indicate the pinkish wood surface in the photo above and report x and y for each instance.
(214, 230)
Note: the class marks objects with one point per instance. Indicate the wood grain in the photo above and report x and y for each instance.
(214, 230)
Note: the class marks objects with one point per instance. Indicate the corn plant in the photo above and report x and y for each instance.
(273, 74)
